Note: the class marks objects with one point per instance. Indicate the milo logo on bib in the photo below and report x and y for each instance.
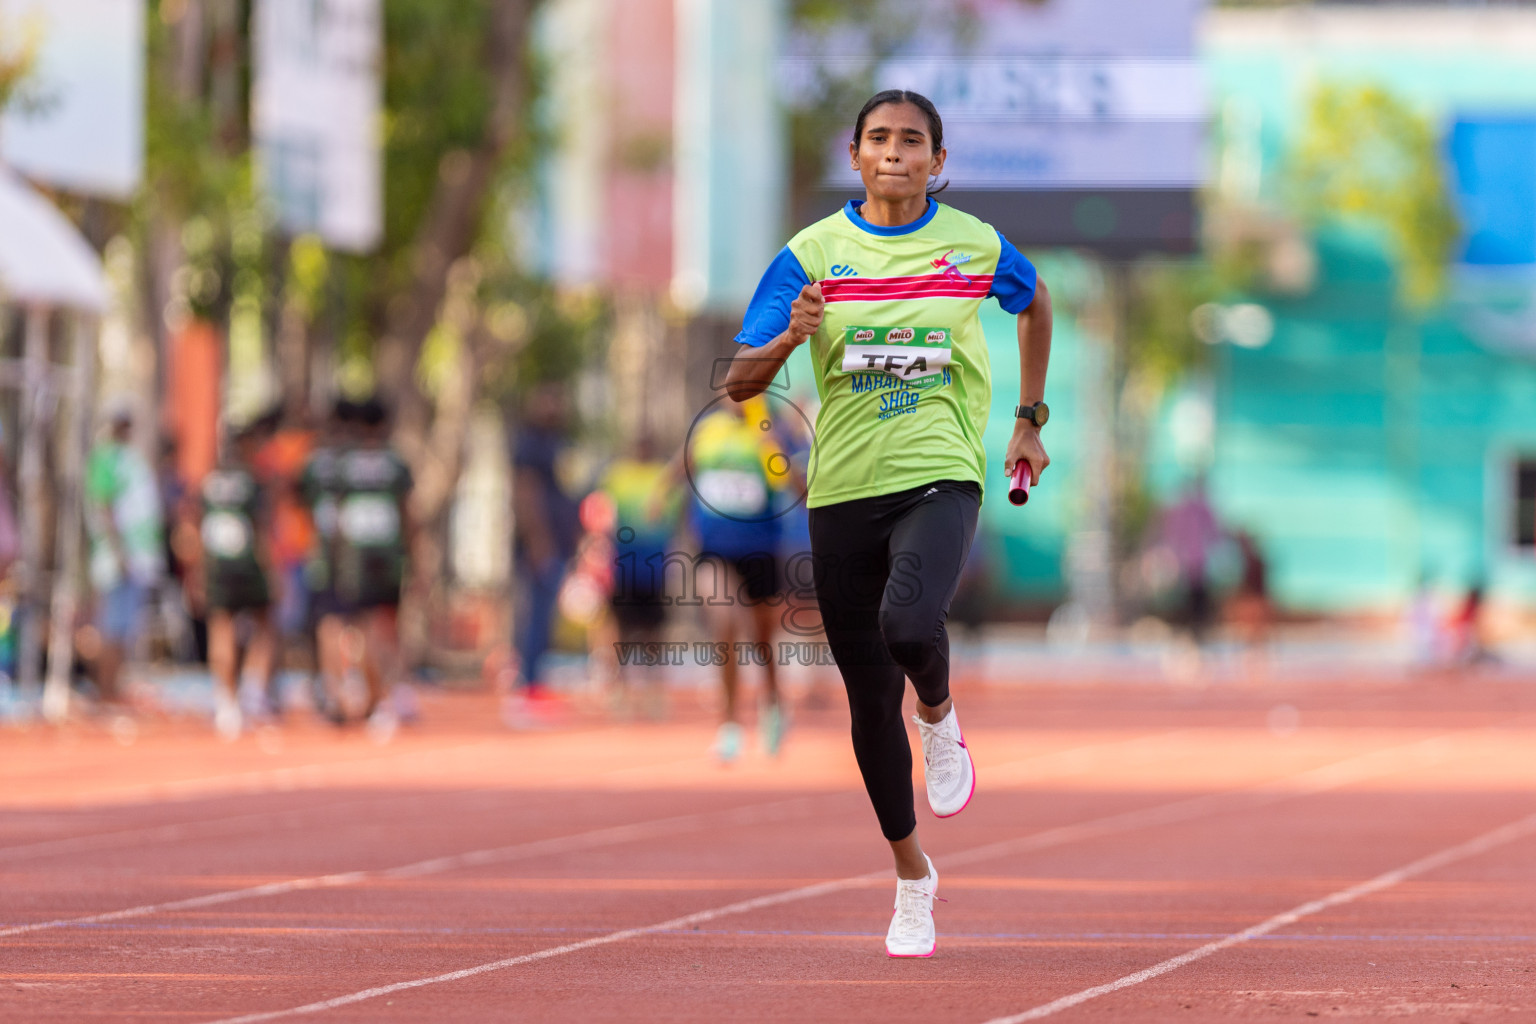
(917, 355)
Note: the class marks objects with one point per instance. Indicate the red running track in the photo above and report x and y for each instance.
(1133, 853)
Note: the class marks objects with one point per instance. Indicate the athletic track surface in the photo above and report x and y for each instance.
(1133, 853)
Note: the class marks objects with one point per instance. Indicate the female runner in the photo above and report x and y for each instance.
(887, 292)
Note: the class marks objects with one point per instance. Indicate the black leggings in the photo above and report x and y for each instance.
(886, 569)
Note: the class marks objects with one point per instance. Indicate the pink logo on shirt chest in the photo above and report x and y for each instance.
(951, 267)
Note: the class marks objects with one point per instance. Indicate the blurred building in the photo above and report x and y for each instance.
(1370, 445)
(664, 186)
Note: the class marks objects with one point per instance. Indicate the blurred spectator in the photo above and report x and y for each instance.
(1464, 639)
(1425, 633)
(1250, 608)
(279, 465)
(373, 537)
(1190, 531)
(183, 606)
(127, 555)
(10, 550)
(10, 533)
(8, 623)
(545, 528)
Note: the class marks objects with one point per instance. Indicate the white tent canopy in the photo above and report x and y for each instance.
(43, 259)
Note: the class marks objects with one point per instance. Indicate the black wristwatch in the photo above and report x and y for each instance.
(1036, 414)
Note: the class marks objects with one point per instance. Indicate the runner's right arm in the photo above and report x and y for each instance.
(754, 368)
(785, 310)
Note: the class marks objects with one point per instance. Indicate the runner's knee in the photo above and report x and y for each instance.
(910, 633)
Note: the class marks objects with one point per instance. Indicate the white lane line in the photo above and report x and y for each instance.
(660, 827)
(440, 757)
(203, 828)
(1075, 760)
(215, 827)
(288, 816)
(675, 924)
(1316, 780)
(264, 780)
(1471, 848)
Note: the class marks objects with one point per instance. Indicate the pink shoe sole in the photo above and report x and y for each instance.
(912, 956)
(969, 795)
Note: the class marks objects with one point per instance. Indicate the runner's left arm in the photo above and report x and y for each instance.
(1019, 290)
(1034, 326)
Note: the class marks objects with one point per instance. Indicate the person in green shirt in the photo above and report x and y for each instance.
(644, 519)
(124, 520)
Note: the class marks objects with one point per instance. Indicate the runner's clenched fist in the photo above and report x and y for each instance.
(805, 314)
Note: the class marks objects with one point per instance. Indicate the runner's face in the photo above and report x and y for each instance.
(895, 155)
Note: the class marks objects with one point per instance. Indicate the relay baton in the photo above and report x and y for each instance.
(1018, 485)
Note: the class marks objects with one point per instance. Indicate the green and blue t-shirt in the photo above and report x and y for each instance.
(900, 359)
(631, 485)
(733, 509)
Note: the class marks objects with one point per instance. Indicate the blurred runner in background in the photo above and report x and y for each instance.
(801, 616)
(1249, 607)
(10, 549)
(731, 460)
(123, 517)
(280, 466)
(183, 588)
(644, 519)
(373, 534)
(319, 487)
(234, 562)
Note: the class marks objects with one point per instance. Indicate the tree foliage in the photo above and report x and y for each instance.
(1367, 158)
(18, 61)
(845, 41)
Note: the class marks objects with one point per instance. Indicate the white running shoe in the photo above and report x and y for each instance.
(947, 766)
(911, 932)
(772, 723)
(227, 720)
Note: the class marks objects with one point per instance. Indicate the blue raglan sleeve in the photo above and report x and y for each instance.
(768, 312)
(1014, 283)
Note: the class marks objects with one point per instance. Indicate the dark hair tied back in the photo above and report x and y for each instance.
(918, 100)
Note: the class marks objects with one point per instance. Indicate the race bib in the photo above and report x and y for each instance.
(226, 535)
(369, 519)
(733, 492)
(917, 355)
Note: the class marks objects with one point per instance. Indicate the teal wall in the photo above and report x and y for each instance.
(1325, 449)
(1325, 446)
(1023, 546)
